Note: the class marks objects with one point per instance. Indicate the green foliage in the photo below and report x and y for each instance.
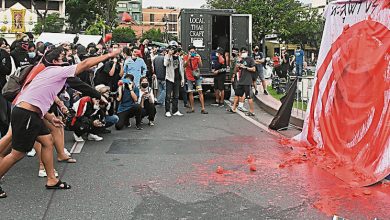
(153, 35)
(83, 13)
(123, 35)
(288, 18)
(97, 28)
(52, 23)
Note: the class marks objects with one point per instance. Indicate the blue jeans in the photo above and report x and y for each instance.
(162, 91)
(111, 120)
(299, 69)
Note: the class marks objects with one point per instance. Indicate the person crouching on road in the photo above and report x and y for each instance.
(147, 100)
(32, 106)
(107, 109)
(88, 119)
(128, 107)
(244, 68)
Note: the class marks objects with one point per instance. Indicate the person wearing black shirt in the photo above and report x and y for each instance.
(285, 66)
(109, 74)
(245, 68)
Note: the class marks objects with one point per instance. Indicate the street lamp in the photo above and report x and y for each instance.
(166, 20)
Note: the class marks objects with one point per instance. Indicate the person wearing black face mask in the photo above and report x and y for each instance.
(147, 100)
(20, 53)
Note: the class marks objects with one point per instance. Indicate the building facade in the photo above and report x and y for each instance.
(165, 19)
(18, 16)
(132, 7)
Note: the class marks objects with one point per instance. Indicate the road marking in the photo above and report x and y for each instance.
(77, 147)
(256, 123)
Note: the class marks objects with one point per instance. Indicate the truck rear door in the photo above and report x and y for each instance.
(241, 31)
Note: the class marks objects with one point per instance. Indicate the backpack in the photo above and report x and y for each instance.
(15, 82)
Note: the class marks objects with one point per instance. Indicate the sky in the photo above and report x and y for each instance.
(174, 3)
(181, 3)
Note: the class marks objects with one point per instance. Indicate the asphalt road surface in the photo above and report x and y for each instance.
(169, 172)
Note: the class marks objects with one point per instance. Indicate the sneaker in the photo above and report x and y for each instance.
(138, 127)
(129, 125)
(106, 131)
(151, 123)
(242, 109)
(178, 114)
(168, 114)
(215, 103)
(42, 173)
(77, 138)
(265, 92)
(94, 137)
(31, 153)
(221, 105)
(67, 152)
(2, 193)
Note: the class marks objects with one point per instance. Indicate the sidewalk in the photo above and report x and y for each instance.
(272, 105)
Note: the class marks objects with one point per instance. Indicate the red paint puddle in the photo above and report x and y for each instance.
(295, 174)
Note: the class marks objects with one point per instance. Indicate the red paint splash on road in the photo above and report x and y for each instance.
(295, 173)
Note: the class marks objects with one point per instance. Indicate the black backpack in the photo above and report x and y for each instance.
(15, 82)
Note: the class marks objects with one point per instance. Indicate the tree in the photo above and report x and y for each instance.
(97, 28)
(53, 23)
(42, 15)
(269, 16)
(306, 28)
(153, 35)
(83, 13)
(123, 35)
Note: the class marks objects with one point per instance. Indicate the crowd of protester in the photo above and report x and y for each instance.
(88, 90)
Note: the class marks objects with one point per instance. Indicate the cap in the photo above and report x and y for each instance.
(102, 88)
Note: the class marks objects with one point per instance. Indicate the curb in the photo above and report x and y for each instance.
(273, 109)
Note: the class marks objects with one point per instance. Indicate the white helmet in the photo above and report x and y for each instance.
(173, 43)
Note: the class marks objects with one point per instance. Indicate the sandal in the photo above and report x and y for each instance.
(190, 111)
(68, 160)
(250, 114)
(230, 110)
(59, 185)
(203, 112)
(2, 193)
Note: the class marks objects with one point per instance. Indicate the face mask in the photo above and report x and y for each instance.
(31, 54)
(114, 49)
(144, 85)
(244, 55)
(193, 54)
(96, 107)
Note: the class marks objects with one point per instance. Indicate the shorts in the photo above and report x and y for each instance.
(190, 85)
(259, 73)
(219, 81)
(243, 89)
(26, 127)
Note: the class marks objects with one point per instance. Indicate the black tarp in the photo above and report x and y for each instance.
(282, 118)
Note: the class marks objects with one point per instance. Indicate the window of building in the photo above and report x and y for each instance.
(172, 17)
(52, 5)
(151, 19)
(122, 5)
(136, 16)
(135, 6)
(25, 3)
(172, 27)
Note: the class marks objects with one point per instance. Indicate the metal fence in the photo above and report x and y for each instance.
(303, 94)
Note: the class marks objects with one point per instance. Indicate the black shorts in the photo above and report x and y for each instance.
(26, 127)
(219, 81)
(241, 90)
